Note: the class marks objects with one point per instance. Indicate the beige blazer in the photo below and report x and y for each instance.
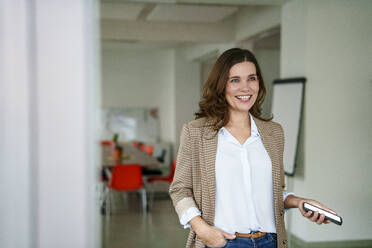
(194, 180)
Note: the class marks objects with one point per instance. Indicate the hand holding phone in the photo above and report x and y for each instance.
(328, 215)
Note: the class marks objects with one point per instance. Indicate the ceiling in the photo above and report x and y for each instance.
(174, 21)
(166, 12)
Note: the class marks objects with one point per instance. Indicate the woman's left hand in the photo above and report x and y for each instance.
(314, 217)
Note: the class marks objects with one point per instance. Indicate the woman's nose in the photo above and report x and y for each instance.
(245, 85)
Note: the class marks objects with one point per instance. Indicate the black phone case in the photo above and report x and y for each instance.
(327, 218)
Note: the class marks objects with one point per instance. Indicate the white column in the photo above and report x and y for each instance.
(65, 87)
(15, 144)
(48, 123)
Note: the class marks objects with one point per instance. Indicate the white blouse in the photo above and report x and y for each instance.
(244, 186)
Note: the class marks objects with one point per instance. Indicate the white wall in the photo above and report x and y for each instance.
(330, 43)
(140, 78)
(200, 52)
(147, 76)
(188, 79)
(187, 91)
(269, 61)
(251, 21)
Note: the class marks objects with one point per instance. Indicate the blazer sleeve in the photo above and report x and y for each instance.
(181, 189)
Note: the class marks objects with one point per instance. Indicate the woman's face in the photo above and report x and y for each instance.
(242, 86)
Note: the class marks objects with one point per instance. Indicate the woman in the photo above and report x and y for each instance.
(229, 179)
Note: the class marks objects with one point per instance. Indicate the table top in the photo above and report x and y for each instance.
(131, 155)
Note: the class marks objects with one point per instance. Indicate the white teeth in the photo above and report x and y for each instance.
(244, 97)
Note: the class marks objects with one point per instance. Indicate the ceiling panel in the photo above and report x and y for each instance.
(206, 2)
(122, 11)
(190, 13)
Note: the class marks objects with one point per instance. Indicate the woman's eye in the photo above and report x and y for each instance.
(252, 78)
(235, 80)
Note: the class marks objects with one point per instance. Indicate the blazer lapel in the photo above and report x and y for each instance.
(209, 151)
(266, 136)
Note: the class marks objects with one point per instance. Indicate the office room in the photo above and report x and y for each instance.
(95, 96)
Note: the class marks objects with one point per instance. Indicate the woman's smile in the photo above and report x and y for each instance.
(244, 98)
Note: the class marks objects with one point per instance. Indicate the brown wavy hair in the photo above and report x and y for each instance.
(213, 104)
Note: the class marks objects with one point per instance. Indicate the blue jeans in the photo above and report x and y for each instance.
(267, 241)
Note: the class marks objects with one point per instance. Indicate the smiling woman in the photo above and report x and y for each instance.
(229, 179)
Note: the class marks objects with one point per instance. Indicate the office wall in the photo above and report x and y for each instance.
(140, 77)
(251, 21)
(146, 76)
(188, 79)
(330, 43)
(187, 90)
(269, 61)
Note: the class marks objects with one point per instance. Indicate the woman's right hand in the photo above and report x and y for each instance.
(210, 235)
(215, 237)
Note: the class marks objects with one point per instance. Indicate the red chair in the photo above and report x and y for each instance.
(135, 144)
(167, 179)
(127, 178)
(150, 150)
(142, 147)
(161, 179)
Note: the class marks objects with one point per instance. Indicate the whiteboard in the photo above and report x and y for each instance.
(141, 124)
(287, 108)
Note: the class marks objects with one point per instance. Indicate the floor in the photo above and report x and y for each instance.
(128, 227)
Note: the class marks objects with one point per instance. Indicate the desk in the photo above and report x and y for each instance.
(131, 155)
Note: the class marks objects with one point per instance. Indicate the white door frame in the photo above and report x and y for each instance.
(49, 82)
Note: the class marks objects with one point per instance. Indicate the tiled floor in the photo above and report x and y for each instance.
(128, 227)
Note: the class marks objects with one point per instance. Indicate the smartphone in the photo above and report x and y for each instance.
(328, 215)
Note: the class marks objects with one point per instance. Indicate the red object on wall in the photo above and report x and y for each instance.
(107, 143)
(150, 150)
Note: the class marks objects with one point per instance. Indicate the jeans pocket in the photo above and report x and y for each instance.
(269, 237)
(218, 246)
